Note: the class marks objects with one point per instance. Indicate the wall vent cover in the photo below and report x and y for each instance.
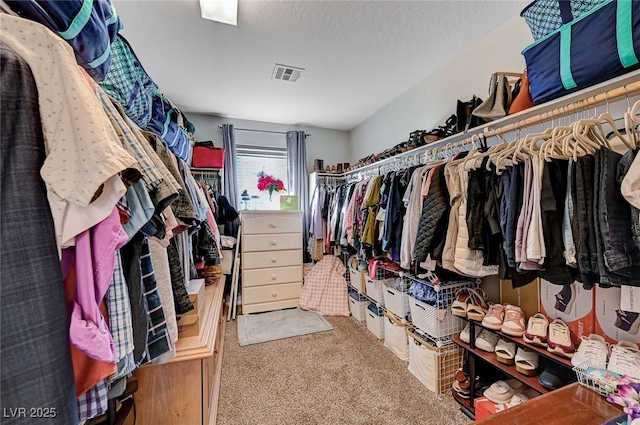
(286, 72)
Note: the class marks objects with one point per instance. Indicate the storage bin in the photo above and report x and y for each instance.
(375, 321)
(395, 337)
(435, 322)
(356, 277)
(375, 289)
(357, 306)
(207, 157)
(396, 301)
(434, 367)
(599, 45)
(545, 16)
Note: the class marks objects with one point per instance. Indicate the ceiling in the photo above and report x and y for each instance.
(357, 55)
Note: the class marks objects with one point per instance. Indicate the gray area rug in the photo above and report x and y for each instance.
(262, 327)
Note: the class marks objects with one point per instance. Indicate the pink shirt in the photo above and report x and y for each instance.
(95, 261)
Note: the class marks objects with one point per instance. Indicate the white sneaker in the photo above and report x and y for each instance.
(517, 399)
(487, 341)
(592, 348)
(625, 359)
(464, 335)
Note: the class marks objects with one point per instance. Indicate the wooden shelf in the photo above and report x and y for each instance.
(522, 343)
(466, 404)
(531, 381)
(573, 404)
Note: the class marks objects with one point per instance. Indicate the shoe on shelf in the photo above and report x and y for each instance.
(514, 323)
(592, 348)
(486, 341)
(537, 330)
(518, 386)
(477, 307)
(459, 305)
(463, 393)
(625, 359)
(516, 400)
(499, 392)
(556, 376)
(505, 351)
(494, 317)
(628, 321)
(464, 335)
(527, 362)
(559, 341)
(565, 298)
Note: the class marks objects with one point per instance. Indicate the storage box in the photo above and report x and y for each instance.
(289, 202)
(485, 407)
(375, 288)
(578, 312)
(435, 322)
(226, 263)
(599, 45)
(395, 337)
(375, 321)
(189, 323)
(611, 322)
(357, 306)
(207, 157)
(527, 297)
(396, 301)
(357, 280)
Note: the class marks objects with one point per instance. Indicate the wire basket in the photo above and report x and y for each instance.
(599, 380)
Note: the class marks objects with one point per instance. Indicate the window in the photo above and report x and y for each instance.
(250, 161)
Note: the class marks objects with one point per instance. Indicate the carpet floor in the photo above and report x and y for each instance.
(344, 376)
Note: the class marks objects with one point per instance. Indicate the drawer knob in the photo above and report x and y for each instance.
(274, 260)
(273, 225)
(274, 242)
(274, 277)
(274, 294)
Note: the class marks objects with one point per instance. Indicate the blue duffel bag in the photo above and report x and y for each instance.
(599, 45)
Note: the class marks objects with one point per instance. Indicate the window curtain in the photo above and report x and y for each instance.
(297, 178)
(230, 174)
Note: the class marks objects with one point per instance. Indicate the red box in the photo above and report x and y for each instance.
(485, 407)
(606, 306)
(579, 315)
(207, 157)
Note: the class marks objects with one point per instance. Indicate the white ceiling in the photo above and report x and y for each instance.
(357, 55)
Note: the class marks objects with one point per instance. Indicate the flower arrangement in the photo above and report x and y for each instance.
(266, 182)
(628, 397)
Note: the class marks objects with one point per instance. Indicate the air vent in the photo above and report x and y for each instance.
(286, 72)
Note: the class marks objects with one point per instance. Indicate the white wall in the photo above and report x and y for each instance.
(330, 145)
(432, 101)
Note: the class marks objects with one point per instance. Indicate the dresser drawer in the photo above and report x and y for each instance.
(275, 276)
(271, 223)
(261, 260)
(262, 294)
(252, 243)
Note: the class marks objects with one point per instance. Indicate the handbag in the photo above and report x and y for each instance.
(522, 99)
(465, 119)
(499, 100)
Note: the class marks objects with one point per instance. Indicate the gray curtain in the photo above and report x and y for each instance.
(297, 177)
(230, 189)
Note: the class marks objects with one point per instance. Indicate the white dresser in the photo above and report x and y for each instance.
(271, 260)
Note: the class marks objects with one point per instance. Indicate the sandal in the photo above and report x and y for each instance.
(527, 362)
(477, 308)
(459, 306)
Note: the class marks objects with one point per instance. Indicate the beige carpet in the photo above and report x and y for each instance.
(344, 376)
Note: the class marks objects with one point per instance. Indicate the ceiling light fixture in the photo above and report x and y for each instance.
(225, 11)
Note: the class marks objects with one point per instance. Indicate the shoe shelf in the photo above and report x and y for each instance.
(465, 404)
(531, 381)
(522, 343)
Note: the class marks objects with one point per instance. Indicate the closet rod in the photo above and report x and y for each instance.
(607, 96)
(263, 131)
(608, 90)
